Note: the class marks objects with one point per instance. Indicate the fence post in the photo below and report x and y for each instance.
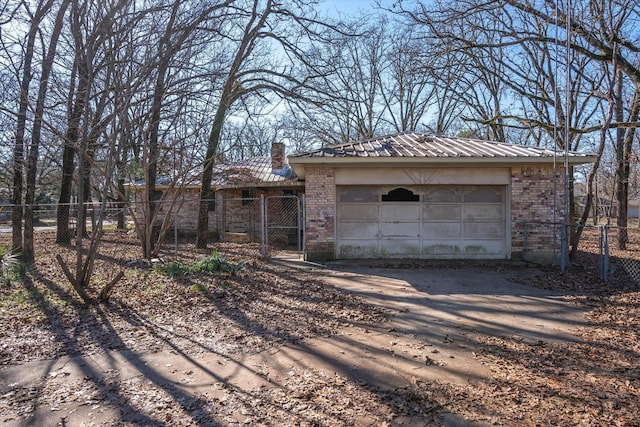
(175, 230)
(263, 228)
(564, 247)
(299, 221)
(603, 254)
(525, 242)
(606, 254)
(303, 230)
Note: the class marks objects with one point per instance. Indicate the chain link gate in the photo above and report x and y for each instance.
(282, 224)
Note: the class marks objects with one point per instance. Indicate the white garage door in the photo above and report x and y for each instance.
(422, 222)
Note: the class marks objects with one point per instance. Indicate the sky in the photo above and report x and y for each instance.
(349, 7)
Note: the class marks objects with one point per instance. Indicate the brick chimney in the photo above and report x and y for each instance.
(277, 155)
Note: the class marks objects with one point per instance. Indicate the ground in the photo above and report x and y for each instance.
(278, 345)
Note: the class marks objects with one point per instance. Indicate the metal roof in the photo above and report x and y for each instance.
(420, 145)
(420, 149)
(256, 171)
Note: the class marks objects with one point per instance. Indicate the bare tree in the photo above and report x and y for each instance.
(604, 31)
(259, 28)
(25, 71)
(32, 163)
(408, 88)
(183, 20)
(526, 45)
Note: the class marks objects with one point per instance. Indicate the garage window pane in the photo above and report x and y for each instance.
(442, 195)
(484, 195)
(357, 195)
(400, 195)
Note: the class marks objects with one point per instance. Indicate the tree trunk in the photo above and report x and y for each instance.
(151, 195)
(32, 162)
(575, 242)
(63, 234)
(120, 204)
(202, 236)
(86, 193)
(624, 142)
(18, 149)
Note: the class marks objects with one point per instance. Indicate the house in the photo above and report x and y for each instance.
(413, 195)
(236, 188)
(604, 205)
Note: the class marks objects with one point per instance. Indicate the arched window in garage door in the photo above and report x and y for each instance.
(400, 195)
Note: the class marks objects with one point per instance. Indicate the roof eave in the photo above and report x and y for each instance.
(291, 182)
(298, 164)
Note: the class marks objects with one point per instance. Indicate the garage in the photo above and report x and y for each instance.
(429, 221)
(415, 195)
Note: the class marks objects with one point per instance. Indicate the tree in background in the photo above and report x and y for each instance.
(257, 30)
(557, 89)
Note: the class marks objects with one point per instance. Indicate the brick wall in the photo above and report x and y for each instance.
(277, 155)
(320, 213)
(229, 214)
(537, 205)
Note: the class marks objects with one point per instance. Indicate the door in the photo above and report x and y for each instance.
(422, 222)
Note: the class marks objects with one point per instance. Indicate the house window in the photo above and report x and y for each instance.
(400, 195)
(212, 202)
(248, 196)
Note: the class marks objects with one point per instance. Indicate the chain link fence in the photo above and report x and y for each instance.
(46, 217)
(628, 257)
(275, 222)
(544, 241)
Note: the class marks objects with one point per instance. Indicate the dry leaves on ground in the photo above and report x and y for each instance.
(592, 381)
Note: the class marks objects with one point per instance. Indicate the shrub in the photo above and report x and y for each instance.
(199, 288)
(209, 264)
(173, 269)
(234, 268)
(9, 265)
(213, 263)
(216, 262)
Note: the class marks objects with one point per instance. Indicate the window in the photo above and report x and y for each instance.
(212, 202)
(400, 195)
(443, 195)
(248, 196)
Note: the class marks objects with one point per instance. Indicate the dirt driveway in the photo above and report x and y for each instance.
(437, 316)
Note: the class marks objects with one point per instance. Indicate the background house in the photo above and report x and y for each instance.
(236, 189)
(604, 205)
(412, 195)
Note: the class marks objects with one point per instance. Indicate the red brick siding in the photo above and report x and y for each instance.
(537, 205)
(320, 194)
